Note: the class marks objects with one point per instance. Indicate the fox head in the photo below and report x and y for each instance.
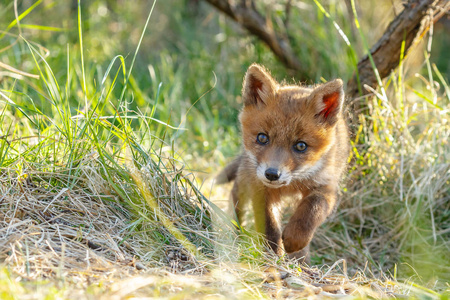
(288, 130)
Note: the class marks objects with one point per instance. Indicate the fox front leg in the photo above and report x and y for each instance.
(267, 218)
(273, 231)
(310, 213)
(270, 221)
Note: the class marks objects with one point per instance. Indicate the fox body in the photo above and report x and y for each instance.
(295, 144)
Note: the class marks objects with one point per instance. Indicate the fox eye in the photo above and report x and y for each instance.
(300, 147)
(262, 139)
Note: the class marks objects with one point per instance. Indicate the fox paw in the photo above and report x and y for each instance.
(293, 240)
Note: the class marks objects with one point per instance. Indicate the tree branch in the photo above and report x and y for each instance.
(386, 52)
(245, 14)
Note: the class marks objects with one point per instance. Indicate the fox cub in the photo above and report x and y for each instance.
(295, 144)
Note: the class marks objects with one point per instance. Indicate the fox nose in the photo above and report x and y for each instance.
(272, 174)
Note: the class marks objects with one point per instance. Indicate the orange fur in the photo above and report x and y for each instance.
(277, 122)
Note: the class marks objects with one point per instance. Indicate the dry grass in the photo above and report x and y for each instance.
(82, 242)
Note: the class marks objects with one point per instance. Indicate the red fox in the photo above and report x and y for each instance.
(295, 144)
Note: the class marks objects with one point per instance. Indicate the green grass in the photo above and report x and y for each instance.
(111, 144)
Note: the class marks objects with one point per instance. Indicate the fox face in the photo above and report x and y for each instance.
(288, 131)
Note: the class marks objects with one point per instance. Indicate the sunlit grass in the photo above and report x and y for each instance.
(93, 160)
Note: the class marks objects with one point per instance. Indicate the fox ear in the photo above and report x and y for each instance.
(327, 100)
(259, 87)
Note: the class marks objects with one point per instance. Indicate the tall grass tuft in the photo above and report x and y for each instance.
(99, 174)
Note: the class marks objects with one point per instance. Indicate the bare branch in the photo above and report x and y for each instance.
(386, 52)
(245, 14)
